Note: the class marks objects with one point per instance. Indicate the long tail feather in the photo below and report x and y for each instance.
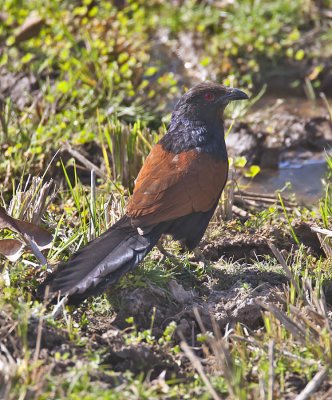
(102, 262)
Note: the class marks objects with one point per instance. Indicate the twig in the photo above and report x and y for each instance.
(313, 385)
(325, 232)
(199, 368)
(88, 164)
(242, 213)
(262, 197)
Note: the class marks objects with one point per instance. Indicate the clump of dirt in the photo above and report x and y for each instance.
(228, 298)
(136, 357)
(252, 245)
(236, 305)
(248, 245)
(308, 238)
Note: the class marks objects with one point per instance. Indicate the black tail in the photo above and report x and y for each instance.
(102, 262)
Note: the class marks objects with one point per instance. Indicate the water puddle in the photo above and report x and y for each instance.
(300, 131)
(300, 177)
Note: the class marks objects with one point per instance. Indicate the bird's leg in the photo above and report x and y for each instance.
(199, 256)
(167, 254)
(197, 253)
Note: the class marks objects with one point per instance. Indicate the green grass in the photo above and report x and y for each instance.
(293, 341)
(100, 87)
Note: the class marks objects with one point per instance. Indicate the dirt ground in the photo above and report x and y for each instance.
(232, 292)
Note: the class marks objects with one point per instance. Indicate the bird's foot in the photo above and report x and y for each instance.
(167, 254)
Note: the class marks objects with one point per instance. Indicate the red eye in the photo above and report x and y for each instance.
(209, 96)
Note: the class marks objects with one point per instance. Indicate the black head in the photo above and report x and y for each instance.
(207, 101)
(197, 120)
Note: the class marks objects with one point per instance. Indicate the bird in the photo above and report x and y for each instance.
(176, 193)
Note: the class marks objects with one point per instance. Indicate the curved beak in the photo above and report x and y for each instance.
(233, 94)
(237, 94)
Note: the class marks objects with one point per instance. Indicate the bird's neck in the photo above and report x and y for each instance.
(186, 134)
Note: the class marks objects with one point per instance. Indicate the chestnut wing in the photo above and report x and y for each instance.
(172, 185)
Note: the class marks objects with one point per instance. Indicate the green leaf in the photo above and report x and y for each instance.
(63, 87)
(10, 41)
(151, 71)
(240, 162)
(253, 171)
(299, 55)
(26, 58)
(205, 62)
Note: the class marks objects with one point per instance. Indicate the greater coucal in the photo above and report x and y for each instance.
(176, 193)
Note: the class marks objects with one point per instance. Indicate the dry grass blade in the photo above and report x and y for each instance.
(92, 228)
(8, 369)
(313, 325)
(34, 236)
(295, 329)
(271, 370)
(326, 232)
(327, 395)
(324, 236)
(283, 263)
(35, 250)
(322, 95)
(313, 385)
(58, 308)
(220, 350)
(229, 196)
(199, 368)
(30, 203)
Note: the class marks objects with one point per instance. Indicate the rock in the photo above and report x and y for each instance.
(179, 293)
(241, 143)
(238, 304)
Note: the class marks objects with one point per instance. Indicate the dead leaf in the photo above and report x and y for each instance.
(6, 221)
(34, 236)
(11, 249)
(40, 236)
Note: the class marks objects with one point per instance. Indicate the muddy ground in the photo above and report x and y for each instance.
(239, 278)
